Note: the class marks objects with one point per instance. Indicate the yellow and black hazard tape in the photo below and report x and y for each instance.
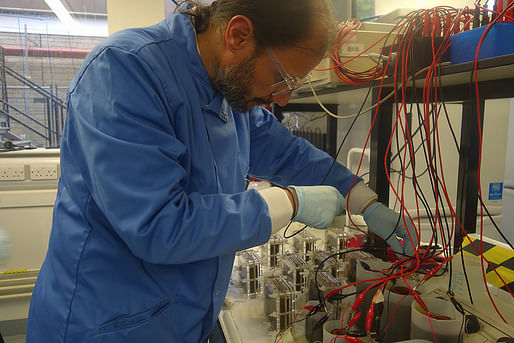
(501, 259)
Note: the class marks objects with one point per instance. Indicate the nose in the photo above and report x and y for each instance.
(282, 99)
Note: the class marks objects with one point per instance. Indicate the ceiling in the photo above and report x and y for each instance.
(80, 6)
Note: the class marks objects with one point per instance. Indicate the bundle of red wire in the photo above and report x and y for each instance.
(437, 25)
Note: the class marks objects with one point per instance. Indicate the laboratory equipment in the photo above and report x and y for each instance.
(250, 272)
(441, 322)
(279, 302)
(295, 269)
(272, 250)
(305, 244)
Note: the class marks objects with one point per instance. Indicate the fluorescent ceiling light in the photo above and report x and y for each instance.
(61, 12)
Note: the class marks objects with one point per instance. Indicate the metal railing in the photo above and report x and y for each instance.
(48, 125)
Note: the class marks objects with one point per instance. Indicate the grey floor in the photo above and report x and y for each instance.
(15, 339)
(13, 331)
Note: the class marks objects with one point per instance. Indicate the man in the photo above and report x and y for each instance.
(162, 129)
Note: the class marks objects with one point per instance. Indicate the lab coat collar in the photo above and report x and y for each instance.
(184, 35)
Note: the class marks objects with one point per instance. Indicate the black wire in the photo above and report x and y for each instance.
(439, 55)
(494, 223)
(284, 330)
(311, 312)
(428, 157)
(479, 197)
(434, 165)
(431, 161)
(444, 238)
(338, 296)
(333, 163)
(370, 87)
(458, 150)
(420, 193)
(321, 299)
(486, 31)
(295, 233)
(318, 325)
(462, 326)
(278, 333)
(411, 162)
(464, 269)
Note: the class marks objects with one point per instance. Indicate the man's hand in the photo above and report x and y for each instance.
(317, 205)
(389, 225)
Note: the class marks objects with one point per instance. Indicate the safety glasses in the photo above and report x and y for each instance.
(289, 83)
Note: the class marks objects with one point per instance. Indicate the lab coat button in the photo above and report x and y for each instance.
(217, 292)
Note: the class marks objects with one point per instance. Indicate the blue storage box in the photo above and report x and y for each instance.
(499, 41)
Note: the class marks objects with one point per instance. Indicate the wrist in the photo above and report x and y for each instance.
(293, 199)
(360, 198)
(368, 205)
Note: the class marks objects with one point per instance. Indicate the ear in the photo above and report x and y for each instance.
(239, 38)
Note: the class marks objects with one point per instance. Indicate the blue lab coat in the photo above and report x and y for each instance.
(151, 205)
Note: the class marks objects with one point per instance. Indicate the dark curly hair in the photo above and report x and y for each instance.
(276, 22)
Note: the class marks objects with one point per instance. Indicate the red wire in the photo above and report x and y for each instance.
(451, 26)
(432, 328)
(369, 133)
(475, 71)
(404, 66)
(354, 57)
(337, 63)
(495, 12)
(411, 149)
(393, 314)
(296, 316)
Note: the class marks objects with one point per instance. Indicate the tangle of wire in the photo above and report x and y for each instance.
(438, 24)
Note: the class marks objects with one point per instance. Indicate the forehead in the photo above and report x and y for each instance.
(303, 56)
(297, 60)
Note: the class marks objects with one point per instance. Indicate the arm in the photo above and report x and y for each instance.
(280, 157)
(284, 159)
(120, 135)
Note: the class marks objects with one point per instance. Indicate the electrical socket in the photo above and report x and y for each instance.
(43, 171)
(12, 172)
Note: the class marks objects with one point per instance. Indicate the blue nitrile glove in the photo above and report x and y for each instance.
(318, 205)
(383, 221)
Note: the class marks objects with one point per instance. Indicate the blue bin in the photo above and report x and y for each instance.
(499, 41)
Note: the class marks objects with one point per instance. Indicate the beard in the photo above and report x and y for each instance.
(234, 83)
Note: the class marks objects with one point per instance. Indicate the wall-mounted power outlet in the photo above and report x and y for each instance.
(12, 172)
(43, 171)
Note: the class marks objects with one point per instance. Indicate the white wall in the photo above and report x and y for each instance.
(123, 14)
(508, 190)
(493, 159)
(26, 208)
(496, 118)
(384, 7)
